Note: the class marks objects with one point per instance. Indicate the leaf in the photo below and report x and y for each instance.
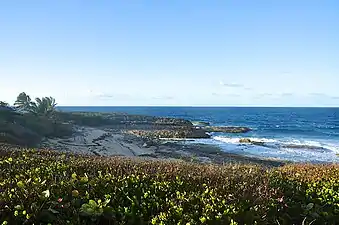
(92, 203)
(87, 209)
(309, 206)
(20, 184)
(75, 193)
(202, 219)
(106, 202)
(84, 179)
(18, 207)
(74, 176)
(46, 194)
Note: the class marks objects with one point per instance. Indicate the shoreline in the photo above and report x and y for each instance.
(102, 141)
(121, 134)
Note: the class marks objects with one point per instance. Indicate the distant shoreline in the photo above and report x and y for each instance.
(164, 106)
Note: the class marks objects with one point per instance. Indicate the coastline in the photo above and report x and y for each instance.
(122, 134)
(103, 141)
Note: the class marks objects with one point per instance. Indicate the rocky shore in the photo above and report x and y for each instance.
(118, 134)
(110, 142)
(229, 129)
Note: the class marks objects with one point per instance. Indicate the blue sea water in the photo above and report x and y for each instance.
(296, 134)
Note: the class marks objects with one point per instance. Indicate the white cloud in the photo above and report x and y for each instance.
(234, 85)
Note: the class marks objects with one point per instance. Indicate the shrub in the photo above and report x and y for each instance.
(308, 192)
(47, 187)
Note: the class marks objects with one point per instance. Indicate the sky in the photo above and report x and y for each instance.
(171, 53)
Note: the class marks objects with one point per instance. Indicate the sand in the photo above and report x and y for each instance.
(88, 140)
(109, 142)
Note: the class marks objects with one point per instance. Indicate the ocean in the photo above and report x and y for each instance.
(295, 134)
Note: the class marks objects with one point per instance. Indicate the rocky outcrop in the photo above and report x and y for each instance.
(200, 123)
(118, 119)
(249, 141)
(179, 133)
(172, 122)
(227, 129)
(245, 140)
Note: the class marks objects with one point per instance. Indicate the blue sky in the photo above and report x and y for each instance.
(199, 53)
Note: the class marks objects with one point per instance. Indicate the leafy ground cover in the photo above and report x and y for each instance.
(48, 187)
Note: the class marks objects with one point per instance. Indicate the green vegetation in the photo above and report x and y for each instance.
(42, 106)
(116, 119)
(29, 122)
(102, 119)
(23, 102)
(4, 104)
(46, 187)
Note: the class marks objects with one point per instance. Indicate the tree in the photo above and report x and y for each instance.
(43, 106)
(23, 102)
(4, 104)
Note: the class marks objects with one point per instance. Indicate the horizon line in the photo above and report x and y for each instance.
(187, 106)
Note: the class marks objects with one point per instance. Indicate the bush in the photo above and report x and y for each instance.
(28, 130)
(41, 187)
(308, 191)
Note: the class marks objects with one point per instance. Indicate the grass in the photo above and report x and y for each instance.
(47, 187)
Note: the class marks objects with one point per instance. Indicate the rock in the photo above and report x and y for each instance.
(198, 133)
(310, 147)
(172, 122)
(227, 129)
(200, 123)
(245, 140)
(260, 143)
(249, 141)
(175, 133)
(204, 160)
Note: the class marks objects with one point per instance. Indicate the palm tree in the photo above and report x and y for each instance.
(23, 102)
(4, 104)
(43, 106)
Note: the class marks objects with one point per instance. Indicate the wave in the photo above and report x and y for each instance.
(296, 150)
(235, 140)
(283, 144)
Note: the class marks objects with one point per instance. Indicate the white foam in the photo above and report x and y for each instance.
(274, 148)
(316, 143)
(237, 140)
